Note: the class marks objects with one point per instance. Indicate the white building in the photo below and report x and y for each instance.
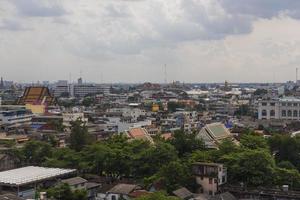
(61, 87)
(210, 176)
(284, 108)
(13, 118)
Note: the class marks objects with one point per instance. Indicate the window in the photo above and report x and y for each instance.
(264, 104)
(283, 113)
(113, 197)
(283, 104)
(295, 104)
(210, 192)
(210, 180)
(289, 104)
(272, 104)
(272, 113)
(289, 113)
(264, 113)
(295, 113)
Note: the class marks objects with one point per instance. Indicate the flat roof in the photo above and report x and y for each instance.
(31, 174)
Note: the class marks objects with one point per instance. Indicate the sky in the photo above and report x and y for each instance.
(132, 40)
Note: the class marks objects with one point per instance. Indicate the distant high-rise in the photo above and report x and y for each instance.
(2, 83)
(79, 81)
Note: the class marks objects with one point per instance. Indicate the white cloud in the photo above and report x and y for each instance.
(128, 40)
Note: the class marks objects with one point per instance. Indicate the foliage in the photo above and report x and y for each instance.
(173, 106)
(186, 143)
(64, 192)
(79, 135)
(286, 148)
(35, 152)
(253, 167)
(251, 141)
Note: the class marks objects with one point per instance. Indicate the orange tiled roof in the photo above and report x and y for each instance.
(139, 133)
(36, 95)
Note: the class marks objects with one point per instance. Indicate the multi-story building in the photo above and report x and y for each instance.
(210, 176)
(61, 88)
(13, 118)
(283, 108)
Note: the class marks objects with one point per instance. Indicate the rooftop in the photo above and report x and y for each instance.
(31, 174)
(74, 181)
(123, 189)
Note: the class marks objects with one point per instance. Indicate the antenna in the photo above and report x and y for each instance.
(165, 72)
(296, 76)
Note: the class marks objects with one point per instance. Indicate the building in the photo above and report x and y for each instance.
(61, 89)
(283, 108)
(23, 181)
(78, 183)
(12, 118)
(213, 135)
(210, 176)
(139, 134)
(81, 90)
(36, 95)
(121, 192)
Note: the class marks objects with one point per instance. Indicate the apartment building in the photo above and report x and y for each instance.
(282, 108)
(210, 176)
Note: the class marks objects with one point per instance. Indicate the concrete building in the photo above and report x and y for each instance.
(11, 118)
(210, 176)
(24, 181)
(283, 108)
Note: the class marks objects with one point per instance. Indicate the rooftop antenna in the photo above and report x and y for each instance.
(296, 76)
(165, 72)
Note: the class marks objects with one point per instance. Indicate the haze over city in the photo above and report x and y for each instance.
(131, 40)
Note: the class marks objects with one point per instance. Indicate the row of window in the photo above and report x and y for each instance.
(284, 113)
(282, 104)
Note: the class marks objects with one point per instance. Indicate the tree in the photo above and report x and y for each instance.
(79, 135)
(150, 160)
(157, 196)
(174, 175)
(173, 106)
(253, 142)
(286, 148)
(186, 143)
(253, 167)
(63, 158)
(88, 101)
(64, 192)
(36, 152)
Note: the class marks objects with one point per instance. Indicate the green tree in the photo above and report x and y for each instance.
(174, 175)
(253, 167)
(253, 142)
(79, 135)
(186, 143)
(36, 152)
(64, 192)
(63, 158)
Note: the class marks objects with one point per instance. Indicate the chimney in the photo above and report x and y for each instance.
(43, 195)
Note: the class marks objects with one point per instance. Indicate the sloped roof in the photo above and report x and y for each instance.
(123, 189)
(10, 197)
(140, 133)
(74, 181)
(183, 193)
(36, 95)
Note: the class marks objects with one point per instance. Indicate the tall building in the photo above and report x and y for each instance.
(287, 108)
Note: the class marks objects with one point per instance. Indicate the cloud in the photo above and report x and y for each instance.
(39, 8)
(12, 25)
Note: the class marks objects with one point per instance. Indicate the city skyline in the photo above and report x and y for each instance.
(131, 41)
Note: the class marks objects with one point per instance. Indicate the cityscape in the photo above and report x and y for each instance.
(149, 100)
